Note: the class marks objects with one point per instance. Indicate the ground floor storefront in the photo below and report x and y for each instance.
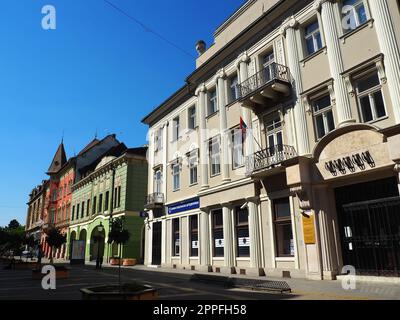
(314, 217)
(90, 238)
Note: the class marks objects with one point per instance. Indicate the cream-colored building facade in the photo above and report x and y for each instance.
(281, 154)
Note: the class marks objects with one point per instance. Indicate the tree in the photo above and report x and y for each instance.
(14, 224)
(55, 239)
(120, 236)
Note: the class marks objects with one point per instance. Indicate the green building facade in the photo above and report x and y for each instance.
(114, 188)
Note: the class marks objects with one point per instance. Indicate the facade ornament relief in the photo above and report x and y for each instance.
(331, 90)
(381, 71)
(301, 193)
(349, 85)
(243, 57)
(289, 23)
(201, 88)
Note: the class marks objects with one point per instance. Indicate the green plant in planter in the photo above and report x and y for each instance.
(55, 240)
(120, 236)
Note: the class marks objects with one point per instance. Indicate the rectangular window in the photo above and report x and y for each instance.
(100, 207)
(176, 238)
(233, 89)
(215, 161)
(119, 197)
(323, 116)
(274, 136)
(176, 177)
(193, 162)
(73, 213)
(354, 14)
(106, 201)
(158, 137)
(77, 210)
(370, 98)
(218, 233)
(88, 207)
(313, 37)
(242, 232)
(158, 183)
(94, 205)
(268, 67)
(194, 236)
(83, 210)
(283, 228)
(212, 102)
(192, 122)
(175, 129)
(237, 148)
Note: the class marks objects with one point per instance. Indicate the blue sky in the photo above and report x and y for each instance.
(98, 71)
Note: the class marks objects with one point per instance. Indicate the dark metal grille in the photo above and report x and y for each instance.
(262, 78)
(267, 158)
(371, 239)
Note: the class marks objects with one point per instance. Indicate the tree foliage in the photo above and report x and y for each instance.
(55, 238)
(12, 238)
(118, 234)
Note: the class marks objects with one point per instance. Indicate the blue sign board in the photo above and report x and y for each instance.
(182, 206)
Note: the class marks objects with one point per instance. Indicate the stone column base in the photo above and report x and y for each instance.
(255, 272)
(329, 275)
(228, 270)
(205, 269)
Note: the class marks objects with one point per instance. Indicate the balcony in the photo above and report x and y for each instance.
(266, 86)
(269, 161)
(154, 201)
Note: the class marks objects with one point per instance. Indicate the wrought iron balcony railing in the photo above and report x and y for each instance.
(154, 200)
(269, 74)
(268, 158)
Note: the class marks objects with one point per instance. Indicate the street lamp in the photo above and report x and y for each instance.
(100, 229)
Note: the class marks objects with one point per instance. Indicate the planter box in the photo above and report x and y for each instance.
(114, 261)
(61, 273)
(129, 262)
(128, 292)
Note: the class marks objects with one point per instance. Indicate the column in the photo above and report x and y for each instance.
(389, 47)
(288, 30)
(163, 242)
(151, 161)
(165, 160)
(336, 65)
(201, 93)
(221, 85)
(205, 253)
(242, 65)
(255, 236)
(229, 248)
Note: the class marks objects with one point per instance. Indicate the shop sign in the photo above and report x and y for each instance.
(350, 163)
(182, 206)
(219, 243)
(195, 244)
(244, 242)
(309, 229)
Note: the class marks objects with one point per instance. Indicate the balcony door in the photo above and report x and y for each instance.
(274, 136)
(268, 66)
(158, 183)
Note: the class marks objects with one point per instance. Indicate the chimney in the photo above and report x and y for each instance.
(200, 47)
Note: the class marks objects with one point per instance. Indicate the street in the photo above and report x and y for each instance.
(19, 285)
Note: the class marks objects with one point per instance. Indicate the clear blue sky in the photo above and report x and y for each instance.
(97, 71)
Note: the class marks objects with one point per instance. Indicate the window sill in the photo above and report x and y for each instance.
(211, 115)
(237, 168)
(193, 184)
(218, 258)
(194, 258)
(230, 104)
(175, 257)
(243, 259)
(285, 259)
(215, 175)
(377, 120)
(369, 23)
(176, 190)
(313, 55)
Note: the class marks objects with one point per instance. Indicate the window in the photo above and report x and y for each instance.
(192, 124)
(106, 200)
(214, 156)
(313, 38)
(83, 210)
(73, 213)
(323, 116)
(176, 176)
(194, 236)
(354, 14)
(268, 66)
(283, 228)
(370, 98)
(274, 135)
(77, 210)
(218, 233)
(237, 148)
(175, 237)
(119, 197)
(175, 129)
(54, 195)
(158, 137)
(193, 167)
(242, 232)
(100, 207)
(94, 205)
(158, 181)
(88, 207)
(233, 89)
(212, 102)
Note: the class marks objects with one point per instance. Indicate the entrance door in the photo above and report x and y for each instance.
(156, 249)
(369, 217)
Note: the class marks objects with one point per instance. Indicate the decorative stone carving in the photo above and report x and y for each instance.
(243, 57)
(290, 22)
(302, 195)
(201, 88)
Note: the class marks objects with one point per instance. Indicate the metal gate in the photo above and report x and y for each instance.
(156, 245)
(371, 236)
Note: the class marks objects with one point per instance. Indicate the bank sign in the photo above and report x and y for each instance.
(184, 206)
